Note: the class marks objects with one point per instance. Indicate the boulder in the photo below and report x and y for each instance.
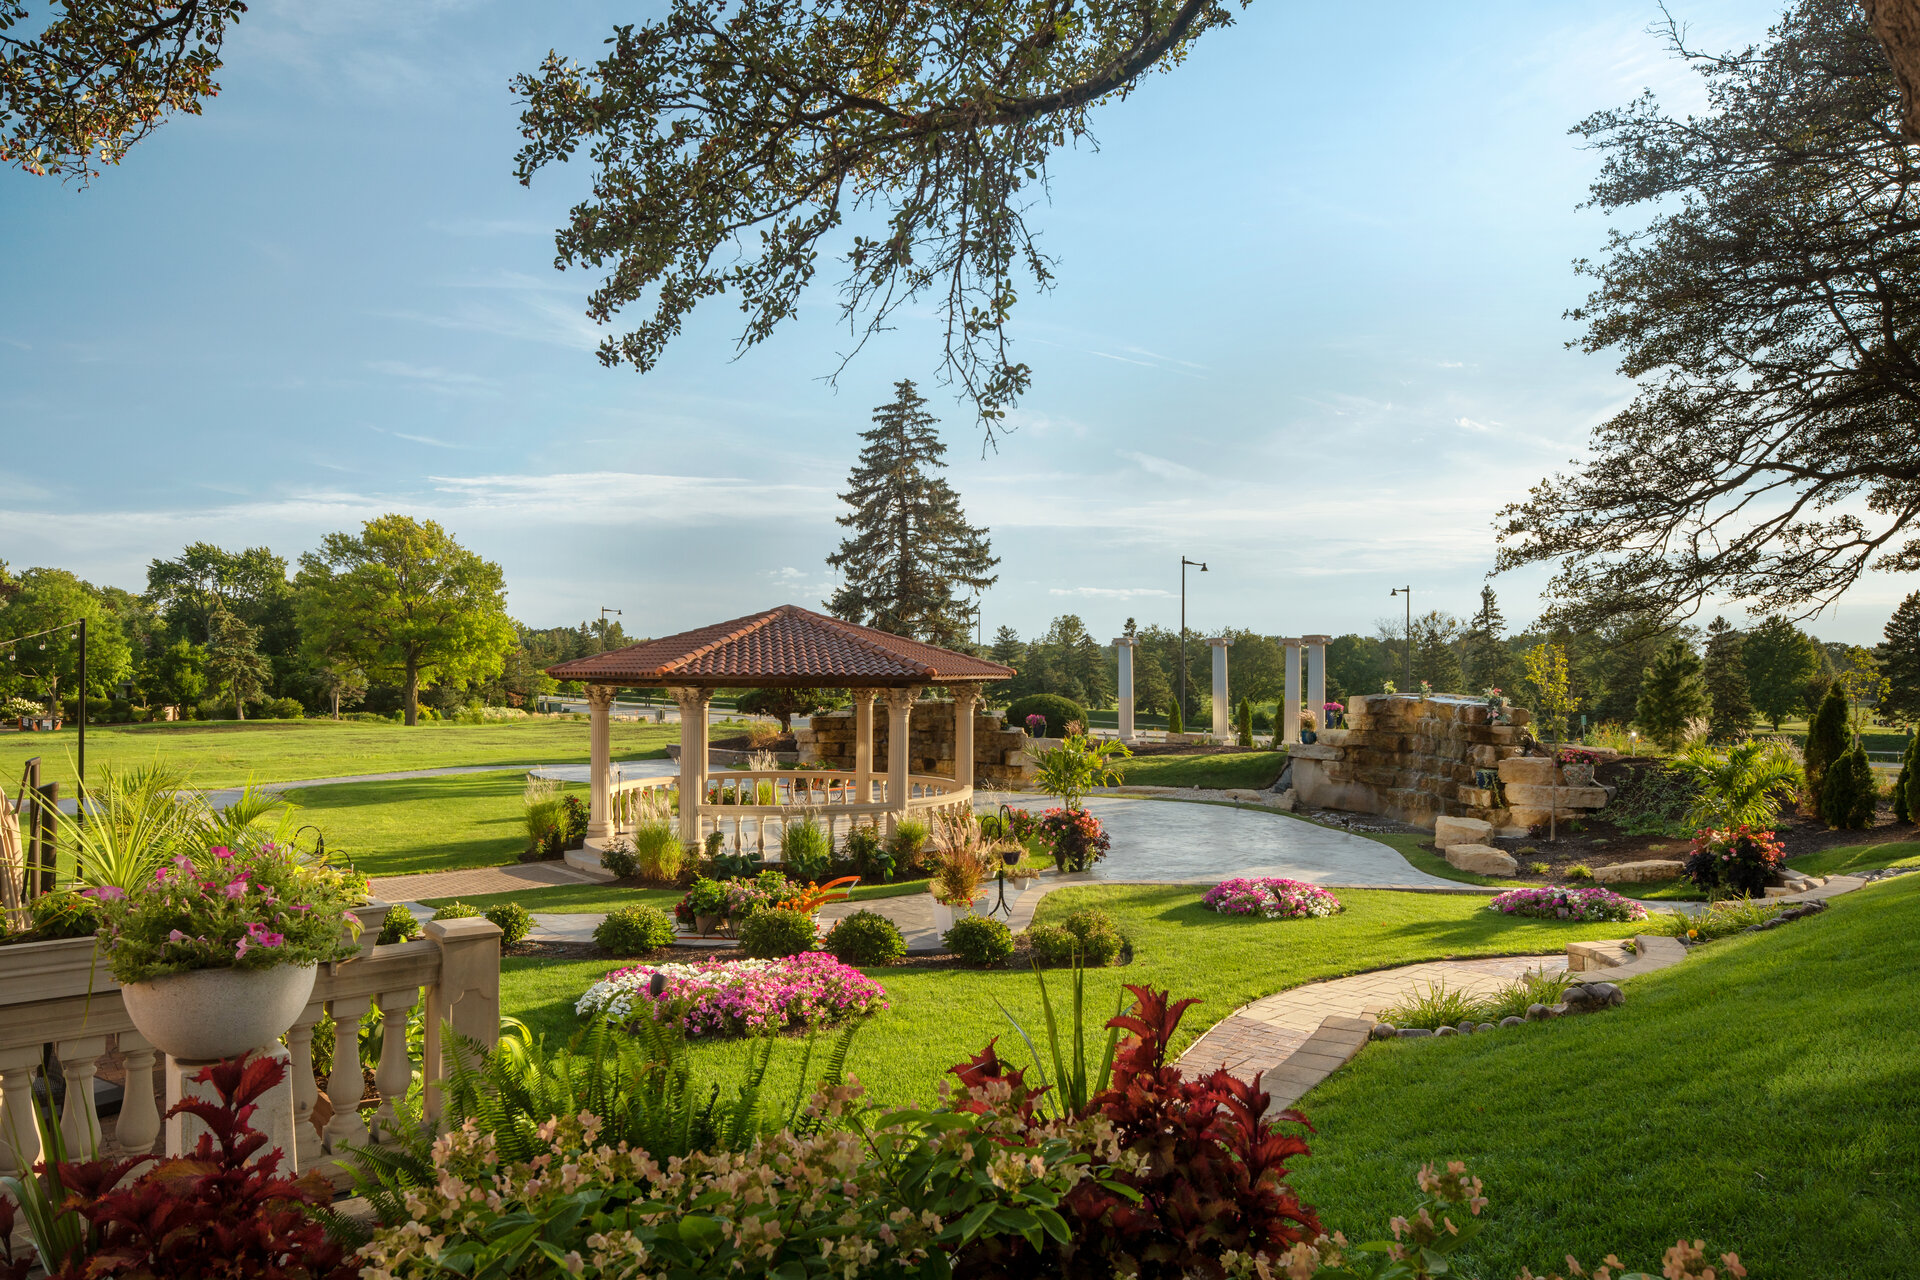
(1606, 993)
(1533, 771)
(1512, 1020)
(1382, 1031)
(1542, 795)
(1447, 1031)
(1409, 1033)
(1537, 1012)
(1481, 859)
(1468, 1027)
(1448, 832)
(1638, 872)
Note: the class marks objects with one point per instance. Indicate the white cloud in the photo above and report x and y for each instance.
(1165, 468)
(1110, 593)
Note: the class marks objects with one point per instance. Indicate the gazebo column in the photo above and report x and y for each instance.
(693, 760)
(965, 698)
(899, 721)
(1123, 647)
(863, 744)
(1286, 729)
(1221, 707)
(600, 732)
(1317, 678)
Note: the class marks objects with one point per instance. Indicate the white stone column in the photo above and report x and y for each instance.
(899, 725)
(1286, 731)
(966, 700)
(19, 1131)
(600, 777)
(1221, 708)
(693, 760)
(1317, 677)
(139, 1122)
(79, 1121)
(863, 744)
(1123, 647)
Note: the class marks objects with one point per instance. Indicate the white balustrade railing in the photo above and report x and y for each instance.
(57, 1003)
(751, 807)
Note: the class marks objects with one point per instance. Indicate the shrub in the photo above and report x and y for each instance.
(64, 914)
(618, 858)
(1743, 789)
(1060, 712)
(1538, 869)
(515, 922)
(1847, 793)
(1740, 861)
(867, 939)
(1579, 871)
(1826, 744)
(1584, 905)
(980, 941)
(400, 926)
(908, 842)
(737, 997)
(1434, 1006)
(1271, 897)
(805, 848)
(1243, 723)
(573, 821)
(778, 932)
(1076, 838)
(868, 854)
(1174, 724)
(634, 931)
(456, 911)
(1090, 933)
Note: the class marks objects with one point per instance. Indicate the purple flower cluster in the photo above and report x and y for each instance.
(1584, 905)
(1272, 897)
(738, 997)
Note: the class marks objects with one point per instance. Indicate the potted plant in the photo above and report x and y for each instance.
(957, 876)
(703, 906)
(216, 955)
(1496, 705)
(1576, 767)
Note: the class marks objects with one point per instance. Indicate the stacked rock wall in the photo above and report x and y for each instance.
(1414, 759)
(999, 753)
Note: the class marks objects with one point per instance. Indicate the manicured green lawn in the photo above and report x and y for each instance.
(939, 1016)
(592, 899)
(1257, 770)
(1407, 844)
(422, 824)
(1764, 1095)
(1850, 859)
(230, 753)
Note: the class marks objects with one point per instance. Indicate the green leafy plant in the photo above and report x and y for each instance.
(1538, 869)
(617, 856)
(1088, 936)
(1847, 792)
(1058, 711)
(1579, 871)
(777, 932)
(980, 941)
(1436, 1005)
(866, 939)
(908, 842)
(1826, 742)
(1654, 802)
(1243, 723)
(805, 848)
(1531, 988)
(634, 931)
(456, 911)
(869, 855)
(1742, 789)
(515, 922)
(1078, 765)
(545, 818)
(399, 926)
(1721, 919)
(1074, 1087)
(658, 853)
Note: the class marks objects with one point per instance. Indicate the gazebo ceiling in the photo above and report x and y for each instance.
(787, 646)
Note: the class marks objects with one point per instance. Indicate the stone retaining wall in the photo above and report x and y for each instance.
(1414, 758)
(1000, 758)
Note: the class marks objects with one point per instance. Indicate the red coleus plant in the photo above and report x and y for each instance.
(210, 1214)
(1212, 1175)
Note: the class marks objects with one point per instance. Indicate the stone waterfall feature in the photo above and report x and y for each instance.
(1416, 759)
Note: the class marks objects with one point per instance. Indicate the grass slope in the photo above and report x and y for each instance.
(422, 824)
(1851, 859)
(1761, 1095)
(939, 1016)
(1257, 770)
(598, 899)
(230, 753)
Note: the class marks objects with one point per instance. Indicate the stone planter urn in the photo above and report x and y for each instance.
(705, 924)
(1577, 775)
(209, 1014)
(52, 970)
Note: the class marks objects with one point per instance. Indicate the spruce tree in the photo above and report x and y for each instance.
(1243, 722)
(1489, 662)
(1174, 722)
(1899, 655)
(913, 556)
(234, 659)
(1672, 694)
(1910, 790)
(1826, 743)
(1434, 658)
(1730, 701)
(1902, 785)
(1847, 792)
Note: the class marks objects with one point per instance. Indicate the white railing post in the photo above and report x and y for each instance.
(306, 1091)
(19, 1132)
(347, 1082)
(466, 999)
(138, 1127)
(395, 1071)
(79, 1121)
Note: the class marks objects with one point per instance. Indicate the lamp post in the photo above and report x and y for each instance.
(1202, 565)
(1408, 593)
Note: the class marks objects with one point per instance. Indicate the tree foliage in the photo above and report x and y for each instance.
(1729, 698)
(1847, 796)
(233, 658)
(406, 601)
(83, 80)
(1672, 695)
(1548, 686)
(1826, 743)
(1899, 655)
(1768, 307)
(1488, 662)
(1779, 659)
(41, 666)
(913, 556)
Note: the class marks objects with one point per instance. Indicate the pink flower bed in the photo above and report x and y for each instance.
(738, 997)
(1568, 904)
(1272, 897)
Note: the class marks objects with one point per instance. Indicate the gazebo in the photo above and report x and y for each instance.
(786, 647)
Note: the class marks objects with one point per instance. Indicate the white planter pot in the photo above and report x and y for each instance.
(219, 1013)
(944, 916)
(373, 918)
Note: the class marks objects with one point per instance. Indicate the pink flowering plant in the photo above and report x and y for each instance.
(1583, 905)
(252, 908)
(1271, 898)
(737, 997)
(1076, 838)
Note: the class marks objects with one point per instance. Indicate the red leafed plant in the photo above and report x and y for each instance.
(1212, 1175)
(209, 1214)
(11, 1267)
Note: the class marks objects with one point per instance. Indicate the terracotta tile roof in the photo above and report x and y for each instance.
(784, 646)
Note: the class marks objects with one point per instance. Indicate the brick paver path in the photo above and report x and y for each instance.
(473, 881)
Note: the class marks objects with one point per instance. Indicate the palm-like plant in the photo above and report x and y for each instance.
(139, 818)
(1744, 787)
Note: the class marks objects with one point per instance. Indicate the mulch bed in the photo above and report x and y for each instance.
(741, 742)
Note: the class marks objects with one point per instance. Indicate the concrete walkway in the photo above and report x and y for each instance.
(471, 882)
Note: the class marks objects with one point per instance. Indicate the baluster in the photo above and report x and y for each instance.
(346, 1082)
(760, 837)
(19, 1133)
(79, 1122)
(139, 1124)
(305, 1091)
(395, 1071)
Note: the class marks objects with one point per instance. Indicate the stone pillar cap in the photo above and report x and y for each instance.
(1315, 639)
(1219, 640)
(1128, 641)
(1292, 640)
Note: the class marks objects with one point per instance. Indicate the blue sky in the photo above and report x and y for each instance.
(1307, 328)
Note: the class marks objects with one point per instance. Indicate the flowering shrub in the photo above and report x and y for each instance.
(738, 997)
(1076, 838)
(733, 899)
(1274, 898)
(1739, 860)
(247, 909)
(1584, 905)
(1574, 755)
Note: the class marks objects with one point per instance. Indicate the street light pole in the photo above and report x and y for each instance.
(1408, 593)
(1184, 562)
